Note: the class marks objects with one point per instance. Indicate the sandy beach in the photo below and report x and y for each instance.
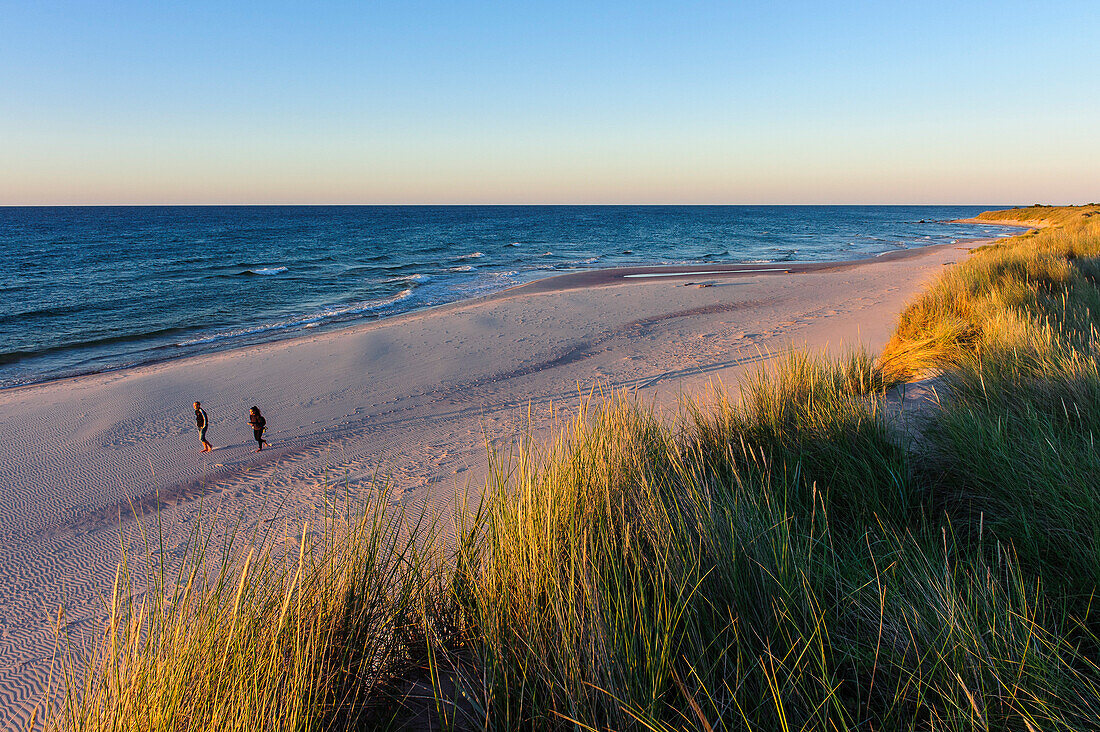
(1005, 222)
(411, 398)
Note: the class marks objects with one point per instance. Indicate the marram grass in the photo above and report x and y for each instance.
(298, 635)
(792, 560)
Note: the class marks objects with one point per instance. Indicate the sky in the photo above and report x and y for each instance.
(641, 102)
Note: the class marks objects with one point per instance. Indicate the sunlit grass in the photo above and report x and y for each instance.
(1042, 215)
(1009, 295)
(1014, 447)
(300, 634)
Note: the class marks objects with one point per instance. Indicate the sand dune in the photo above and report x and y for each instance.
(413, 397)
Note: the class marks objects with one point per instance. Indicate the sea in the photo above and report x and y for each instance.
(90, 289)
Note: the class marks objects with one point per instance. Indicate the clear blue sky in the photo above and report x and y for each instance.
(549, 102)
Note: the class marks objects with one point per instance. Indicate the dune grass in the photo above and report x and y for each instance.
(298, 635)
(770, 565)
(1014, 330)
(791, 560)
(1041, 215)
(1034, 289)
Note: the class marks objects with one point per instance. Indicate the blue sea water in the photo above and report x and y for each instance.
(86, 289)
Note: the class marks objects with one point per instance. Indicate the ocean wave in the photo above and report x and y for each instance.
(472, 255)
(463, 268)
(10, 357)
(307, 321)
(264, 271)
(418, 277)
(586, 260)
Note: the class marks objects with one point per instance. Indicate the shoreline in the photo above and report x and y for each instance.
(414, 401)
(551, 283)
(621, 275)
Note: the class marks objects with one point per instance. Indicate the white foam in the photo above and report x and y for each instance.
(418, 277)
(268, 270)
(308, 321)
(474, 255)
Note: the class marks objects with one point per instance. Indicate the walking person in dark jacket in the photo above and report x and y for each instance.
(202, 421)
(259, 424)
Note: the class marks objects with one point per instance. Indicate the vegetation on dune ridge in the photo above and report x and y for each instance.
(794, 560)
(1042, 215)
(1028, 292)
(1014, 331)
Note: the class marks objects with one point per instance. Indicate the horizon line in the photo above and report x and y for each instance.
(505, 204)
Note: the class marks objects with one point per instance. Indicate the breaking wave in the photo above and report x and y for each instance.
(265, 271)
(312, 320)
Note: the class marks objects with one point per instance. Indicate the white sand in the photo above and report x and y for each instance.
(412, 395)
(1006, 222)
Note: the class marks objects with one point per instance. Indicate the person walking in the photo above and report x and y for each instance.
(259, 424)
(202, 421)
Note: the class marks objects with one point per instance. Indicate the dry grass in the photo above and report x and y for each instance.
(991, 301)
(300, 632)
(1042, 215)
